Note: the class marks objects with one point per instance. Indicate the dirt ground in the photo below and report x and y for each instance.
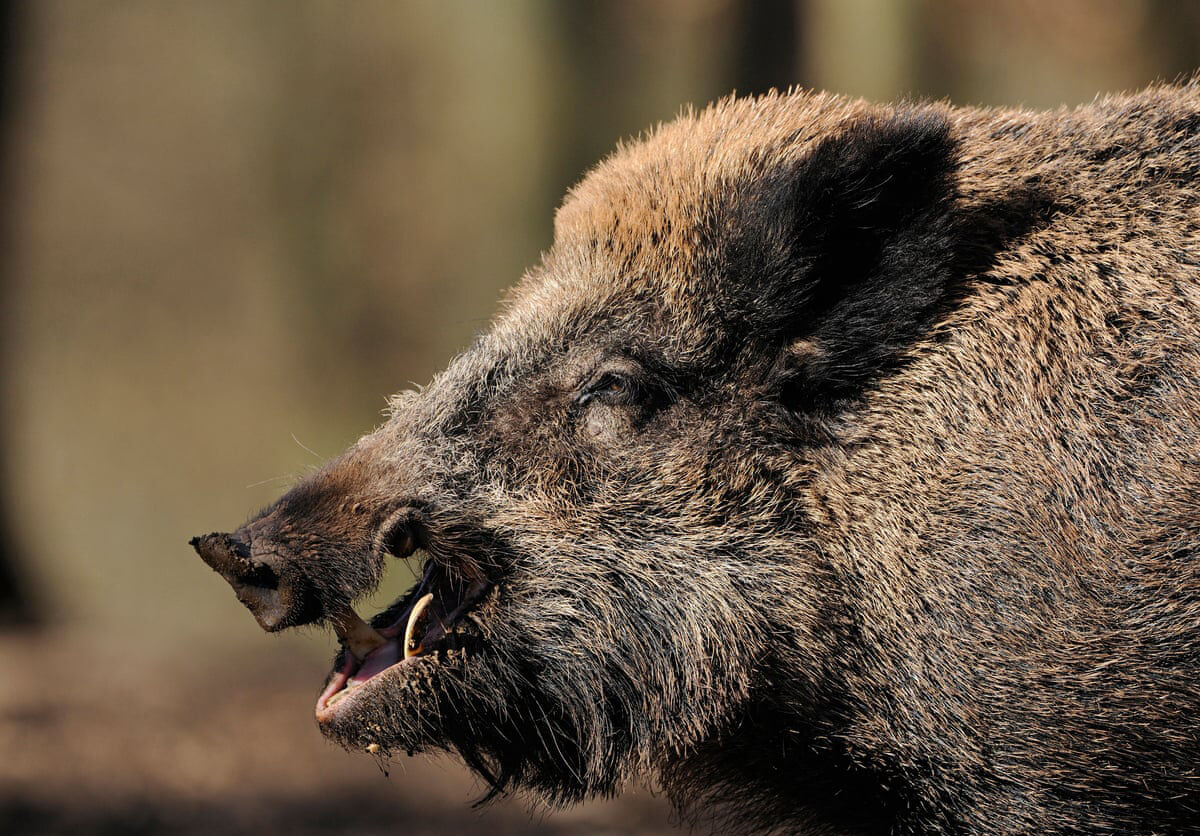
(99, 739)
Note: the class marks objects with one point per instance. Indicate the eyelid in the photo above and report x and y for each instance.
(603, 385)
(607, 380)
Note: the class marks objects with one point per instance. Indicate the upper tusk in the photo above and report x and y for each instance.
(359, 637)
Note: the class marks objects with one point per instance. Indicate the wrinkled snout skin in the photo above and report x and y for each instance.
(836, 470)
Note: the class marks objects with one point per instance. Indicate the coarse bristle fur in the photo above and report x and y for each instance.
(837, 469)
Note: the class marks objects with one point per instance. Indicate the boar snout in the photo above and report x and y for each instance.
(275, 596)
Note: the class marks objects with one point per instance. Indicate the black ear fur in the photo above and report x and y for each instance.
(878, 242)
(868, 201)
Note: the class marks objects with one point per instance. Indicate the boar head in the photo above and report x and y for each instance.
(610, 491)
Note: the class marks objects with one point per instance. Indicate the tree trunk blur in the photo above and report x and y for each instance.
(15, 604)
(767, 46)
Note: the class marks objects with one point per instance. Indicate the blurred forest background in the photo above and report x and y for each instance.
(231, 228)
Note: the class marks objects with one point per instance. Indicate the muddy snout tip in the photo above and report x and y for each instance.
(229, 556)
(256, 584)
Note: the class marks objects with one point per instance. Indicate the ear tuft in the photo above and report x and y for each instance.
(872, 241)
(879, 170)
(879, 243)
(879, 185)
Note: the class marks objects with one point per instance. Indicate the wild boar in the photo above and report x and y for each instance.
(837, 469)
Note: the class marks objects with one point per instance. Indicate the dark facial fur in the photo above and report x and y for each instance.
(838, 467)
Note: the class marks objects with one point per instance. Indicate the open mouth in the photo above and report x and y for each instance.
(425, 621)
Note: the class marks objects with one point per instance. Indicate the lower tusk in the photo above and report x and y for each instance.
(411, 648)
(359, 637)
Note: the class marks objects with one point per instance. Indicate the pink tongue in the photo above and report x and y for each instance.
(377, 661)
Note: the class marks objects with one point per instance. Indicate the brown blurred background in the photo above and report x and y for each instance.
(231, 228)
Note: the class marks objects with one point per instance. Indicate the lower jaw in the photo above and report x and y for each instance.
(383, 715)
(402, 644)
(336, 692)
(343, 691)
(337, 702)
(327, 711)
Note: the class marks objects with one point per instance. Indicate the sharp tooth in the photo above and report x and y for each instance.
(411, 648)
(359, 637)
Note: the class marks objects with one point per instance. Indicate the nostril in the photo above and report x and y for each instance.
(260, 575)
(276, 594)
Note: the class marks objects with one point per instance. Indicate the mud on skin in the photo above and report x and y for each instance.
(837, 469)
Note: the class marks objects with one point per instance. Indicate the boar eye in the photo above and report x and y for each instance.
(610, 387)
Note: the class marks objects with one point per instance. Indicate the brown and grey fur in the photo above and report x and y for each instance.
(838, 467)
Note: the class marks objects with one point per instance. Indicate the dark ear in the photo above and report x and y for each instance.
(871, 251)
